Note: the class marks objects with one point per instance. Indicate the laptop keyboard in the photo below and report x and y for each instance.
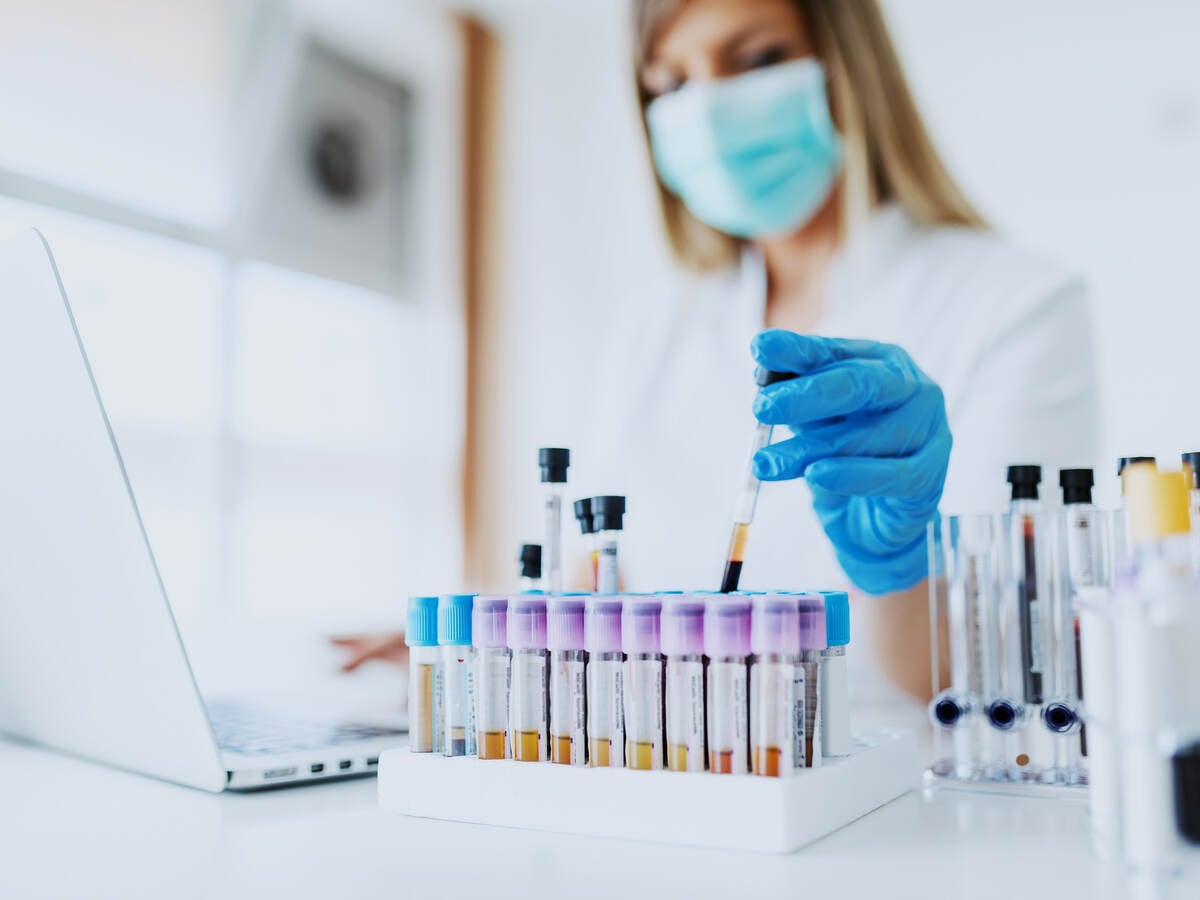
(254, 733)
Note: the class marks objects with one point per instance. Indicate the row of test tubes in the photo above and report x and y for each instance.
(690, 682)
(1006, 590)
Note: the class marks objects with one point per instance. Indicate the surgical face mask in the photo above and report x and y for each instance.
(752, 155)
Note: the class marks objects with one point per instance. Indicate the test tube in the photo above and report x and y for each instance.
(554, 462)
(528, 696)
(489, 636)
(833, 682)
(1082, 544)
(743, 514)
(608, 520)
(583, 515)
(971, 616)
(568, 680)
(643, 682)
(812, 642)
(458, 706)
(605, 715)
(530, 559)
(727, 646)
(1034, 652)
(424, 675)
(683, 646)
(777, 690)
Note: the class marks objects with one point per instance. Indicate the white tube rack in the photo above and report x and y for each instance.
(735, 812)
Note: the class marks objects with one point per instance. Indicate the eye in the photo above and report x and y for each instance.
(762, 57)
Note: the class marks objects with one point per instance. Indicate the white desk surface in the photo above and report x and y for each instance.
(70, 828)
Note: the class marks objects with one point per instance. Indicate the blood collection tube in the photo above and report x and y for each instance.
(424, 675)
(777, 695)
(743, 515)
(1025, 506)
(605, 678)
(458, 706)
(568, 680)
(489, 636)
(980, 672)
(727, 645)
(554, 462)
(812, 643)
(683, 646)
(530, 559)
(833, 683)
(1083, 544)
(607, 521)
(583, 515)
(528, 696)
(643, 682)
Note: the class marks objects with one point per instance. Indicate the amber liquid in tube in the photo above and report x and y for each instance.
(560, 749)
(527, 746)
(640, 755)
(491, 744)
(422, 732)
(766, 761)
(599, 753)
(720, 762)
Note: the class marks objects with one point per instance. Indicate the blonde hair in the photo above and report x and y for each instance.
(889, 156)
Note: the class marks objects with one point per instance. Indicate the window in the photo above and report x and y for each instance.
(289, 441)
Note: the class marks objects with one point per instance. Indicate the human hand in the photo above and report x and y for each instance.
(362, 648)
(872, 441)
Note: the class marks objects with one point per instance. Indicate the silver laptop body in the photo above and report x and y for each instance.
(91, 661)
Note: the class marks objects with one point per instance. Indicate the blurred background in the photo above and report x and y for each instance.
(342, 267)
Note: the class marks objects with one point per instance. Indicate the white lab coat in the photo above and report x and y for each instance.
(1005, 333)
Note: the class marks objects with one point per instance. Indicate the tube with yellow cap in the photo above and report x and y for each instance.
(1157, 632)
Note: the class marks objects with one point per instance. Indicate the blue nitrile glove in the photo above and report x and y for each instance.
(871, 439)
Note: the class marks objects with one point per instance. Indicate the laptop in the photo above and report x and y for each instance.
(91, 661)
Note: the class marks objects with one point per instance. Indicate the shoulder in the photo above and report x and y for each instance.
(983, 276)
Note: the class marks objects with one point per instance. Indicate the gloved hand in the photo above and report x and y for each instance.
(871, 439)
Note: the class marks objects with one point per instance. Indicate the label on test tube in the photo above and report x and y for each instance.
(780, 720)
(728, 718)
(568, 711)
(606, 728)
(685, 715)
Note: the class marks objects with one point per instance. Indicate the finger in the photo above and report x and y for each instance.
(782, 460)
(357, 660)
(348, 640)
(841, 389)
(918, 475)
(786, 351)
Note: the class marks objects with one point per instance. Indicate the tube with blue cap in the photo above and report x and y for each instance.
(834, 706)
(424, 675)
(458, 704)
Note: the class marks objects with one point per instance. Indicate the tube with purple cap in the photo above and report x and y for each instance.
(489, 636)
(528, 697)
(812, 642)
(643, 694)
(777, 695)
(605, 715)
(568, 697)
(727, 645)
(683, 646)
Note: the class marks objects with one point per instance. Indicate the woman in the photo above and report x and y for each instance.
(801, 191)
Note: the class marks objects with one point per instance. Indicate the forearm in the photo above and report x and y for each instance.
(896, 627)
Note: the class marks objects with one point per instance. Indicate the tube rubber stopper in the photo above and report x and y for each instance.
(554, 462)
